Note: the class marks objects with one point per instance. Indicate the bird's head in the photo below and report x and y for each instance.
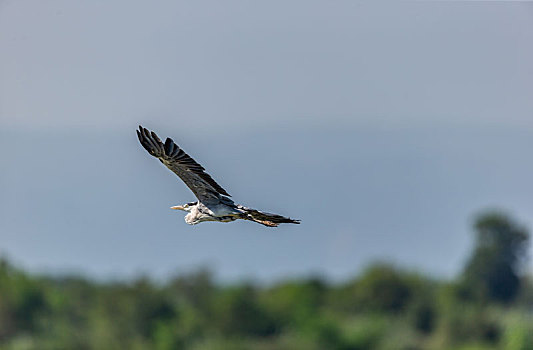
(185, 207)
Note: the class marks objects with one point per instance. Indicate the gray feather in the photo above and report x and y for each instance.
(192, 173)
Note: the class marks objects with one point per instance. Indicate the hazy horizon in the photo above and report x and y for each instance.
(385, 129)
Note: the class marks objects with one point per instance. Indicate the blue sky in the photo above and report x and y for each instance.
(384, 128)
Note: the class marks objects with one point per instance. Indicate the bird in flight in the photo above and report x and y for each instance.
(213, 202)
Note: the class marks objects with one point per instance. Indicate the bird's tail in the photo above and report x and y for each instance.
(267, 219)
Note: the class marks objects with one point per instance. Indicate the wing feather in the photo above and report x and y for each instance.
(192, 173)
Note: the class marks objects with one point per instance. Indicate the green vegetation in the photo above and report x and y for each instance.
(490, 306)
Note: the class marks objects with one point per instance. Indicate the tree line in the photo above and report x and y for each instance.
(488, 306)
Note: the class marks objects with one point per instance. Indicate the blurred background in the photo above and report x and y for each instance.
(400, 135)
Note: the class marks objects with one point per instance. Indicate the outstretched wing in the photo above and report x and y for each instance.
(267, 219)
(201, 183)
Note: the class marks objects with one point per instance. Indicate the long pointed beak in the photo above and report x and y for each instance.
(177, 207)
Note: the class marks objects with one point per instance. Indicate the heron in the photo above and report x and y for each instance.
(213, 202)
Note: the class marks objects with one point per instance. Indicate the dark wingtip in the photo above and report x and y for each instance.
(292, 221)
(152, 143)
(168, 145)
